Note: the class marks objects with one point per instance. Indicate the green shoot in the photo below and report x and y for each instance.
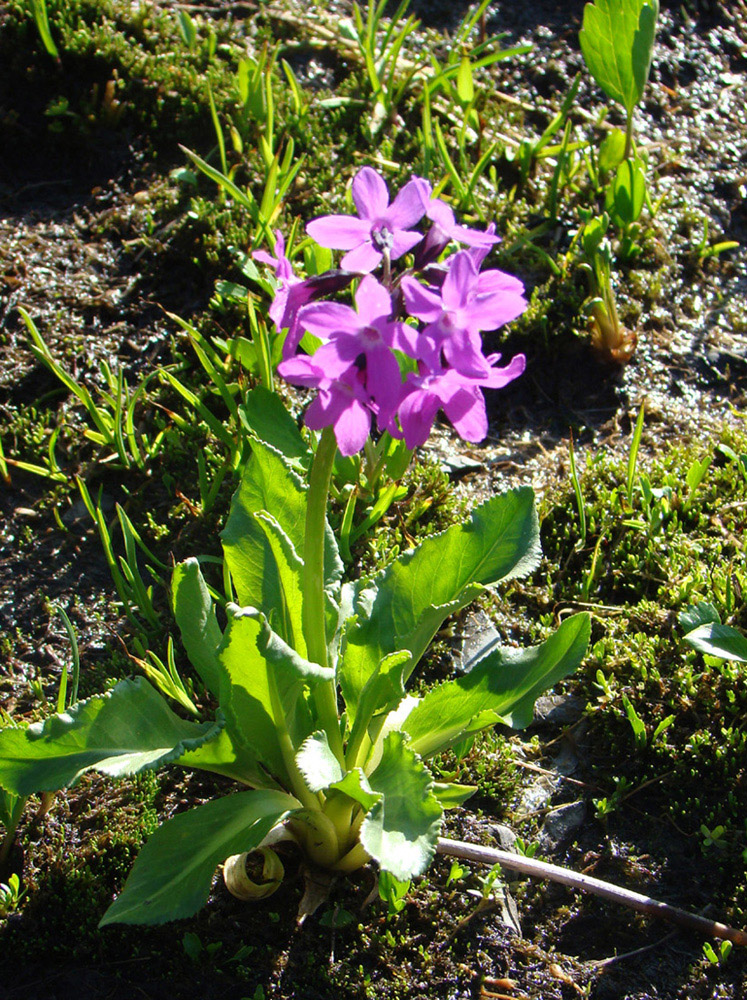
(633, 456)
(166, 677)
(580, 507)
(63, 701)
(617, 42)
(42, 23)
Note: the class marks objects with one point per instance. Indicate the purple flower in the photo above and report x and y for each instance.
(291, 294)
(459, 396)
(342, 402)
(285, 277)
(467, 303)
(365, 332)
(446, 226)
(444, 229)
(381, 226)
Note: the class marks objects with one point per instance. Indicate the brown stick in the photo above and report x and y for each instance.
(635, 900)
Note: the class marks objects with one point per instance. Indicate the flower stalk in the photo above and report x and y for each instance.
(313, 612)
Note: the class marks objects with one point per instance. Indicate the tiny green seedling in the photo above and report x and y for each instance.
(717, 957)
(706, 249)
(11, 895)
(713, 837)
(456, 872)
(393, 892)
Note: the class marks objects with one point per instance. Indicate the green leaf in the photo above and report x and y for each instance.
(393, 892)
(383, 690)
(696, 473)
(187, 27)
(268, 484)
(465, 85)
(403, 607)
(128, 730)
(227, 756)
(401, 829)
(285, 616)
(715, 639)
(244, 198)
(501, 687)
(265, 416)
(617, 41)
(451, 795)
(42, 23)
(195, 616)
(11, 810)
(356, 786)
(173, 873)
(316, 762)
(627, 195)
(612, 150)
(701, 613)
(265, 686)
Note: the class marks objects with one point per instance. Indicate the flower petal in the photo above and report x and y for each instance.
(372, 301)
(383, 379)
(498, 281)
(352, 428)
(325, 318)
(463, 352)
(402, 337)
(440, 213)
(473, 237)
(466, 411)
(370, 193)
(502, 376)
(402, 241)
(338, 232)
(264, 258)
(410, 205)
(421, 302)
(478, 252)
(363, 258)
(416, 415)
(488, 312)
(301, 370)
(336, 357)
(460, 282)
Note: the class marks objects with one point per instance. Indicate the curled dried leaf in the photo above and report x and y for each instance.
(266, 879)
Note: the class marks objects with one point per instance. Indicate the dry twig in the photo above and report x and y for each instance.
(587, 883)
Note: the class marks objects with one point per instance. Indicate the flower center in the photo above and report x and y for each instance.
(370, 336)
(382, 238)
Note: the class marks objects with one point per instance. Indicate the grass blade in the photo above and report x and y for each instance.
(579, 495)
(633, 457)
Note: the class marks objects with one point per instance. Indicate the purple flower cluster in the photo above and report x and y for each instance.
(358, 367)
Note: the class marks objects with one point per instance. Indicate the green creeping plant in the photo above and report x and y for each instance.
(347, 786)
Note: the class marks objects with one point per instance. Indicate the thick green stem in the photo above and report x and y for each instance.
(314, 605)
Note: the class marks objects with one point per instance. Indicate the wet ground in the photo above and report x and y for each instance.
(82, 251)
